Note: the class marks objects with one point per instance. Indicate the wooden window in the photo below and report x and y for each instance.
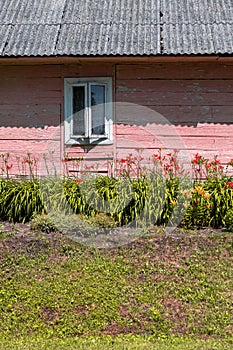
(88, 110)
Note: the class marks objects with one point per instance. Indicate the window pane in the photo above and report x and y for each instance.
(78, 110)
(98, 109)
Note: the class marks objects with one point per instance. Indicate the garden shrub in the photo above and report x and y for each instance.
(102, 220)
(228, 220)
(42, 222)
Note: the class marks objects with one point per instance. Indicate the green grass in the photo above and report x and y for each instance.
(119, 343)
(55, 293)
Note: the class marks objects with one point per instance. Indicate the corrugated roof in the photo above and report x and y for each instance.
(110, 27)
(115, 27)
(102, 39)
(197, 27)
(31, 12)
(197, 11)
(26, 40)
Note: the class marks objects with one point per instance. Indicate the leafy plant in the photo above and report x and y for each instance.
(159, 194)
(19, 200)
(228, 220)
(42, 222)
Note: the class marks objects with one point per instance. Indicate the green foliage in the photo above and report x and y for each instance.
(78, 225)
(148, 198)
(228, 220)
(211, 200)
(42, 222)
(163, 195)
(102, 220)
(53, 288)
(19, 200)
(128, 342)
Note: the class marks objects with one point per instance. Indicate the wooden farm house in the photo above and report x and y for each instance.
(97, 79)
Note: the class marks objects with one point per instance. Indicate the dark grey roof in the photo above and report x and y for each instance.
(115, 27)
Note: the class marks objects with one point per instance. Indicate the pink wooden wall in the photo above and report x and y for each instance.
(30, 110)
(194, 98)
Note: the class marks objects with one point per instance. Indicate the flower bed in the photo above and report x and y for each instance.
(158, 190)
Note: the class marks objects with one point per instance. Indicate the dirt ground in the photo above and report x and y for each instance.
(21, 234)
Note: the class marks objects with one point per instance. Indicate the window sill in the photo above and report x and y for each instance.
(89, 141)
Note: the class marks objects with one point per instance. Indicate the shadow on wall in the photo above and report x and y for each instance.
(50, 116)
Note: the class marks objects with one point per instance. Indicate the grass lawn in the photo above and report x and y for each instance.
(119, 343)
(155, 293)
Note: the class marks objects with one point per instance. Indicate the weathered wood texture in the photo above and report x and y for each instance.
(31, 114)
(195, 100)
(187, 106)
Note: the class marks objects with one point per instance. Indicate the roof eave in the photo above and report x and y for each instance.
(112, 59)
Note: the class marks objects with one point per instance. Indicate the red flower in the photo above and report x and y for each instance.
(26, 160)
(156, 157)
(79, 181)
(173, 159)
(208, 165)
(9, 167)
(123, 160)
(230, 184)
(221, 167)
(64, 160)
(167, 166)
(197, 159)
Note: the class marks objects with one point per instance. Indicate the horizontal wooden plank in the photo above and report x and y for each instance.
(20, 133)
(222, 114)
(132, 142)
(177, 115)
(125, 129)
(29, 96)
(30, 115)
(142, 115)
(202, 129)
(35, 83)
(31, 71)
(197, 144)
(57, 71)
(32, 146)
(174, 85)
(197, 70)
(88, 70)
(90, 151)
(175, 98)
(192, 115)
(218, 145)
(206, 130)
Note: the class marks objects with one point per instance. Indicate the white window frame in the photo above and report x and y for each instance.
(88, 138)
